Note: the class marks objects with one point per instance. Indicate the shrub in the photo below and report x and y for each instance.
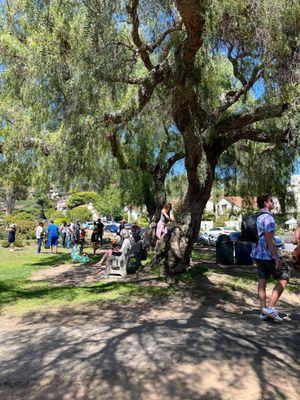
(208, 216)
(221, 221)
(82, 214)
(59, 221)
(109, 202)
(18, 243)
(21, 215)
(25, 224)
(77, 199)
(143, 221)
(57, 216)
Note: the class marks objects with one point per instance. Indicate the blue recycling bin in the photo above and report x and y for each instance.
(243, 252)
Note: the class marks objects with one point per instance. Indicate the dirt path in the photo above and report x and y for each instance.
(207, 345)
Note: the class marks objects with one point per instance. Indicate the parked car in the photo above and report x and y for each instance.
(234, 236)
(216, 232)
(89, 225)
(206, 239)
(112, 228)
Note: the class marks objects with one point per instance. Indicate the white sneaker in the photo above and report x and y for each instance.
(272, 313)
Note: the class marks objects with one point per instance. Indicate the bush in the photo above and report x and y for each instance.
(59, 221)
(208, 216)
(143, 221)
(21, 215)
(82, 214)
(18, 243)
(219, 222)
(25, 223)
(77, 199)
(109, 203)
(57, 216)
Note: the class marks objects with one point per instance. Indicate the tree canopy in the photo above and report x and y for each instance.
(89, 75)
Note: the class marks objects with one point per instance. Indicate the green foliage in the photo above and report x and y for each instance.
(25, 223)
(81, 198)
(110, 201)
(81, 213)
(21, 215)
(143, 221)
(57, 216)
(176, 186)
(208, 216)
(256, 169)
(18, 243)
(220, 221)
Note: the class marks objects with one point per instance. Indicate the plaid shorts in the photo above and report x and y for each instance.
(266, 268)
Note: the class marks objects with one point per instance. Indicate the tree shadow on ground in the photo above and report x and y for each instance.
(170, 348)
(54, 261)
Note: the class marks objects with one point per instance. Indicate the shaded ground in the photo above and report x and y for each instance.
(204, 343)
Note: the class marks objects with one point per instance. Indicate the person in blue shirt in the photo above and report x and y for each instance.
(268, 261)
(53, 234)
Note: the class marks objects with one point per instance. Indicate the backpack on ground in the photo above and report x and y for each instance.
(249, 228)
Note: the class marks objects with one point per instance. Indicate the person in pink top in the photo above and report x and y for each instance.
(165, 218)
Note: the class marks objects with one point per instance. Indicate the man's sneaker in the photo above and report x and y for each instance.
(272, 313)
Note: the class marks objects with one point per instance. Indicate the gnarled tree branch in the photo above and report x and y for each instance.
(138, 102)
(192, 18)
(151, 47)
(131, 8)
(232, 96)
(31, 143)
(116, 150)
(241, 120)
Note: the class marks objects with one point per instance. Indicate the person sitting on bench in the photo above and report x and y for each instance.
(126, 246)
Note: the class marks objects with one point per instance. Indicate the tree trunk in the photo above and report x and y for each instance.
(9, 201)
(173, 251)
(160, 198)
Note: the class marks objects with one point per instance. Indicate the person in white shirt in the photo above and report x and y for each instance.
(39, 233)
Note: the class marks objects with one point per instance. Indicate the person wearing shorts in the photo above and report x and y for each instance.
(53, 234)
(268, 261)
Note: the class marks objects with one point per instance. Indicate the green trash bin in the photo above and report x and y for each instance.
(224, 250)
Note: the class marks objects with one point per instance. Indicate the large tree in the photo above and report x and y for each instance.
(102, 64)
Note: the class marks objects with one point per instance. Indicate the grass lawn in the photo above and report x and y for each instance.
(18, 294)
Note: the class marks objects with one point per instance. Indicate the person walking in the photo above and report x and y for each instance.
(68, 235)
(268, 260)
(11, 237)
(39, 234)
(53, 234)
(63, 232)
(95, 238)
(82, 239)
(100, 227)
(76, 232)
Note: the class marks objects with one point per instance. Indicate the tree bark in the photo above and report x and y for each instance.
(9, 201)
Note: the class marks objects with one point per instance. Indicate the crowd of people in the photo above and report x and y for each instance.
(69, 235)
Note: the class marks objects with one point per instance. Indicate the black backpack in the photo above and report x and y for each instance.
(249, 228)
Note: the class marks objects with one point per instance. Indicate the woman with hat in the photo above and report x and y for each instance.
(11, 237)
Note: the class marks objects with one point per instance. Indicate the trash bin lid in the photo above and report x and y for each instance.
(224, 238)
